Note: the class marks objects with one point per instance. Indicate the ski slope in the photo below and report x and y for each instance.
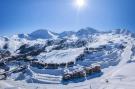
(60, 56)
(119, 76)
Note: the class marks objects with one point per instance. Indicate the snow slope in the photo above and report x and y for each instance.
(60, 56)
(115, 59)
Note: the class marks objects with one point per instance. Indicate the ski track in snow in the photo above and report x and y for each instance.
(125, 56)
(5, 85)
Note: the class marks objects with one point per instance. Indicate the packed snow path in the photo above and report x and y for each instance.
(5, 85)
(125, 57)
(122, 79)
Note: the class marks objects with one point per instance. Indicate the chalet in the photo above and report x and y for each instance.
(62, 65)
(70, 63)
(37, 64)
(88, 70)
(80, 57)
(81, 73)
(52, 66)
(96, 68)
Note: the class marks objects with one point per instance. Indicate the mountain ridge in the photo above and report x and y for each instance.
(82, 33)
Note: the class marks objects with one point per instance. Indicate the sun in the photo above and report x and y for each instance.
(80, 3)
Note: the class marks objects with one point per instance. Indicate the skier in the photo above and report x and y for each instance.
(107, 81)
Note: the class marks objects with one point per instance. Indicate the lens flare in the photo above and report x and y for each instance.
(80, 3)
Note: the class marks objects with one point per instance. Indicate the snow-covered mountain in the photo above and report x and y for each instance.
(46, 34)
(42, 34)
(66, 34)
(86, 32)
(38, 34)
(121, 31)
(25, 36)
(42, 57)
(82, 33)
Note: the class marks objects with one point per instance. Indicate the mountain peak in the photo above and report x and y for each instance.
(42, 34)
(66, 34)
(121, 31)
(40, 31)
(85, 32)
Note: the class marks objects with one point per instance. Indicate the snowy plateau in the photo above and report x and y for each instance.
(40, 59)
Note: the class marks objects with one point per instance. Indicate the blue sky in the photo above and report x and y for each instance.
(25, 16)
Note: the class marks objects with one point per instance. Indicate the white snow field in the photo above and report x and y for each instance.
(60, 56)
(117, 65)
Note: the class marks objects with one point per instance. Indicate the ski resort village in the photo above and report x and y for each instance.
(67, 44)
(86, 59)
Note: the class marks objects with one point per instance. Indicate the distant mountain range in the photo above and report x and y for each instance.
(82, 33)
